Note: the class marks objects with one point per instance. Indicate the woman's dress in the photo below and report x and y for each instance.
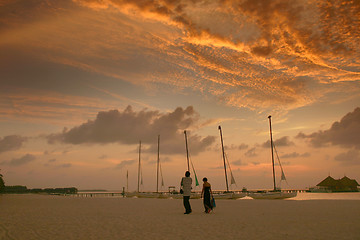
(207, 199)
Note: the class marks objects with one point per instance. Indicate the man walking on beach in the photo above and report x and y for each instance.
(185, 186)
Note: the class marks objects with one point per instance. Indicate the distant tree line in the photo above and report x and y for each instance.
(24, 189)
(2, 184)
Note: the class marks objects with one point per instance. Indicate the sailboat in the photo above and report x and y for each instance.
(140, 181)
(156, 194)
(276, 193)
(227, 194)
(159, 170)
(194, 195)
(137, 193)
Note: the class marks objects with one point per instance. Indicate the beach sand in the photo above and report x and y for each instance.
(64, 217)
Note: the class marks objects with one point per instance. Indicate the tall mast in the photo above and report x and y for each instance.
(127, 180)
(223, 153)
(158, 163)
(139, 169)
(187, 151)
(272, 152)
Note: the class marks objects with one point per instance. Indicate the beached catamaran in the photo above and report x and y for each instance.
(188, 159)
(227, 194)
(276, 193)
(140, 180)
(159, 171)
(156, 194)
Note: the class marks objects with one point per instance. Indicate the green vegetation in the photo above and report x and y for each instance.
(2, 184)
(24, 189)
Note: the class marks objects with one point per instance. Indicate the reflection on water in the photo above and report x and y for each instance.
(327, 196)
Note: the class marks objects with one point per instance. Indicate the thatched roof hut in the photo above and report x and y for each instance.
(344, 184)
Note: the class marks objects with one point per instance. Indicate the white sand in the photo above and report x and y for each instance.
(57, 217)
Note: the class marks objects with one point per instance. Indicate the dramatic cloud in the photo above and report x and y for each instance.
(281, 142)
(345, 133)
(130, 127)
(351, 157)
(20, 161)
(10, 143)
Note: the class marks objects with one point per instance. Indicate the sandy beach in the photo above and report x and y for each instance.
(64, 217)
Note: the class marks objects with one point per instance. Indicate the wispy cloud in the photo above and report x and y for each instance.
(49, 106)
(251, 152)
(125, 163)
(295, 155)
(250, 53)
(351, 157)
(20, 161)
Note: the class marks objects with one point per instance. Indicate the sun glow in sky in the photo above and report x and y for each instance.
(83, 81)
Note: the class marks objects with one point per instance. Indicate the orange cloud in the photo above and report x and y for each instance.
(250, 53)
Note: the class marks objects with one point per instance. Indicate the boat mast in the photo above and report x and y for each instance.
(158, 163)
(223, 153)
(187, 151)
(138, 188)
(127, 180)
(272, 152)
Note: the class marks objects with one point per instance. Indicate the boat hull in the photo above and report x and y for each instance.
(180, 196)
(272, 195)
(229, 195)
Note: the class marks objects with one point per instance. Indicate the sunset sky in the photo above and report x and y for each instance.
(83, 81)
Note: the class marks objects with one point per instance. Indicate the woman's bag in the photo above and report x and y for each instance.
(213, 204)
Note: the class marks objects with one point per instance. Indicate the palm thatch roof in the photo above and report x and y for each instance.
(328, 182)
(343, 184)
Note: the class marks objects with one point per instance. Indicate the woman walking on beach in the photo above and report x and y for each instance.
(207, 194)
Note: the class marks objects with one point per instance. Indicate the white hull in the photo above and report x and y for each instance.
(272, 195)
(147, 195)
(230, 195)
(195, 196)
(180, 196)
(131, 194)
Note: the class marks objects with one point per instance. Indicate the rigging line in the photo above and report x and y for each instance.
(196, 180)
(141, 177)
(282, 171)
(162, 179)
(232, 180)
(192, 165)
